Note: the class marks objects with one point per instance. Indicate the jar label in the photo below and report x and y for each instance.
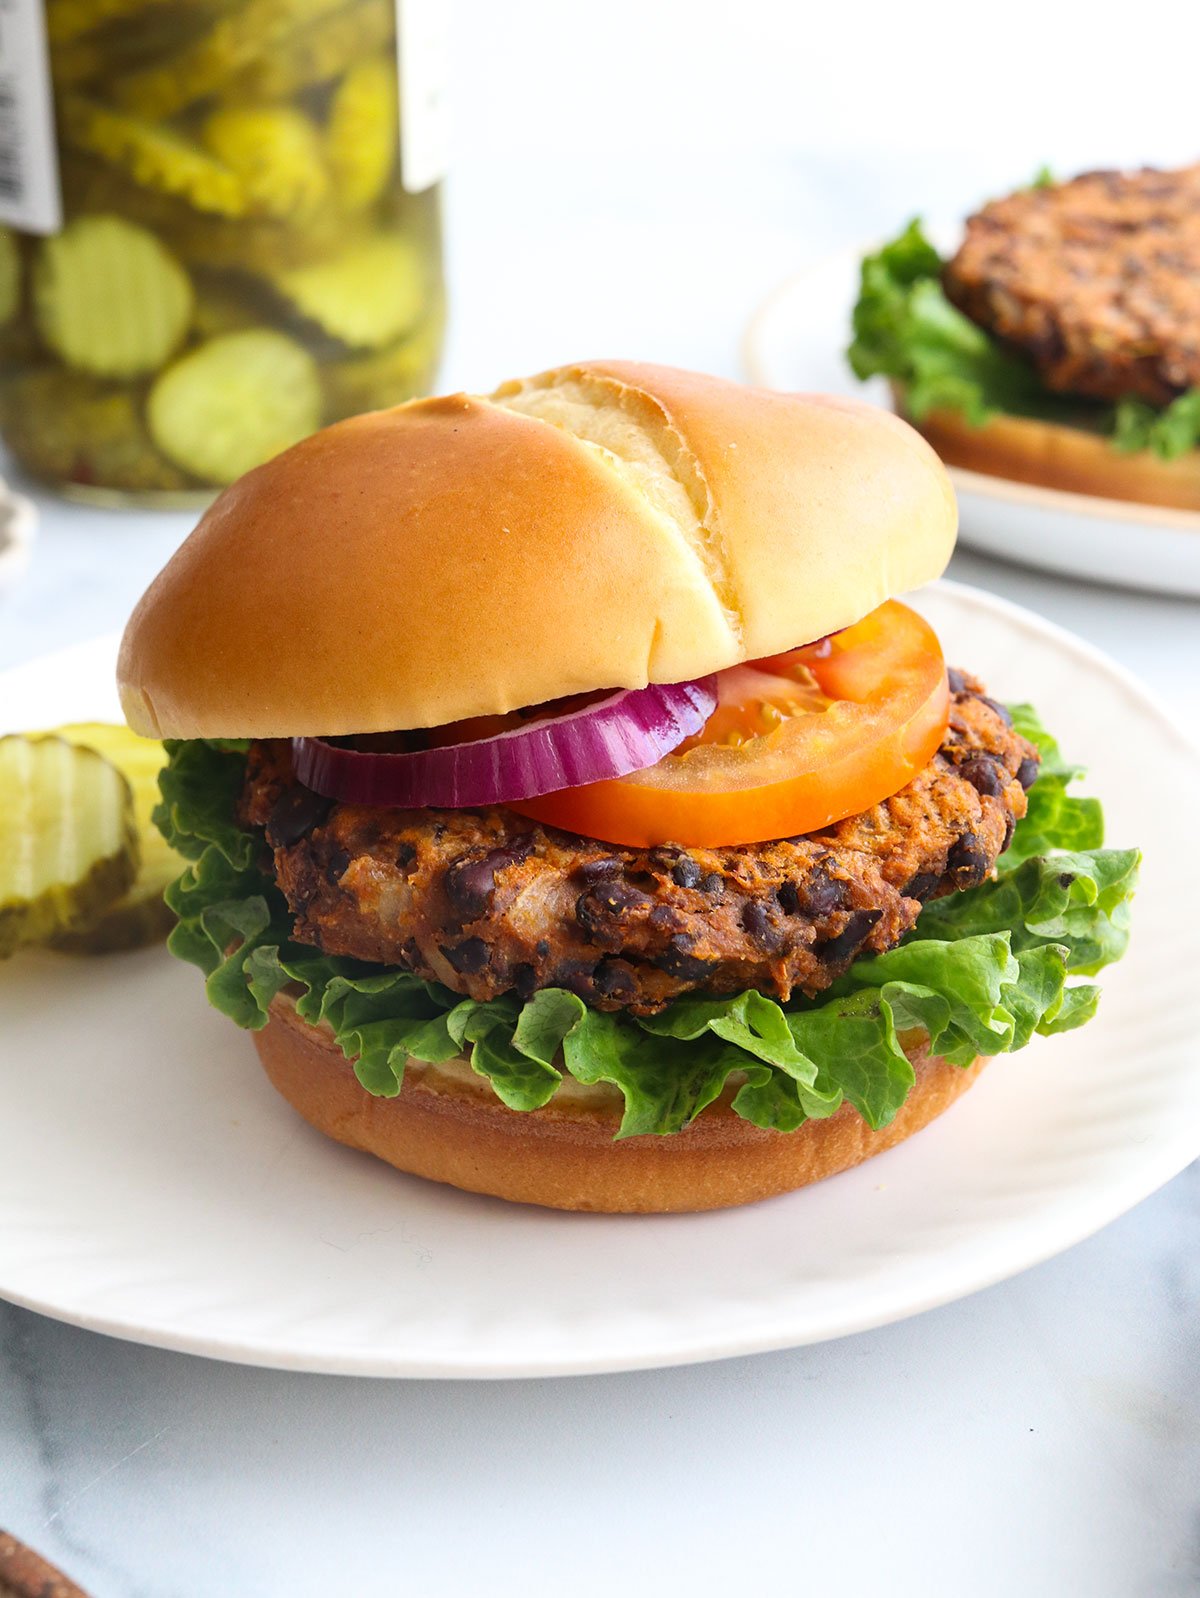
(30, 198)
(422, 46)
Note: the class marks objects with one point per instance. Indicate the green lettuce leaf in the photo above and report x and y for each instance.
(199, 785)
(1169, 433)
(1079, 902)
(1055, 819)
(980, 974)
(905, 329)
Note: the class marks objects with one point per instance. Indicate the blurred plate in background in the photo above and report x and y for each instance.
(796, 340)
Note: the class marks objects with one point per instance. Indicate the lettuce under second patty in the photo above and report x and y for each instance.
(980, 974)
(905, 329)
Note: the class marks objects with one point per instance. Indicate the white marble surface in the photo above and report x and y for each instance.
(1042, 1438)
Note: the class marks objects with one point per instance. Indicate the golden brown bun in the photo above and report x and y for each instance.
(1052, 456)
(449, 1126)
(604, 525)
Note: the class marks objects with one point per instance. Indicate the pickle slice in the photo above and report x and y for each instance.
(156, 158)
(132, 923)
(366, 296)
(202, 67)
(109, 298)
(140, 916)
(234, 402)
(68, 840)
(10, 275)
(314, 54)
(275, 152)
(363, 134)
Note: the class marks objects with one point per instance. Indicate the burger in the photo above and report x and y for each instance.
(1060, 344)
(574, 813)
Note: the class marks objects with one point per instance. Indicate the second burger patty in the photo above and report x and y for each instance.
(488, 902)
(1096, 280)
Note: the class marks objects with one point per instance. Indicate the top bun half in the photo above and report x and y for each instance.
(603, 525)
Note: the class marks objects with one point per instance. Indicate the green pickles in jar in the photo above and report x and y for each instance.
(239, 261)
(233, 402)
(108, 299)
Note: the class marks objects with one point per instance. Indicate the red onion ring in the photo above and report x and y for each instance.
(629, 730)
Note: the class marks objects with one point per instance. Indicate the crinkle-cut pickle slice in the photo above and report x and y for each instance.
(139, 916)
(362, 137)
(276, 153)
(154, 157)
(247, 34)
(68, 838)
(109, 299)
(134, 922)
(10, 275)
(232, 403)
(366, 297)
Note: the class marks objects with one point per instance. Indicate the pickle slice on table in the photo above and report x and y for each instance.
(68, 838)
(361, 136)
(275, 152)
(109, 298)
(140, 916)
(232, 403)
(366, 297)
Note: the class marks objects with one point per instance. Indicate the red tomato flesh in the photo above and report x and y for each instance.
(797, 741)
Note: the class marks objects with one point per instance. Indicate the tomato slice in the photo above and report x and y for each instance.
(797, 741)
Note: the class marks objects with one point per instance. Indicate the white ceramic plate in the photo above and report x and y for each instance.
(153, 1186)
(797, 339)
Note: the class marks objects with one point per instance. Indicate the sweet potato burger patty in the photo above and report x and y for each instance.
(487, 902)
(1097, 280)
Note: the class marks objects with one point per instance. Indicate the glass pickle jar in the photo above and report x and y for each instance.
(229, 244)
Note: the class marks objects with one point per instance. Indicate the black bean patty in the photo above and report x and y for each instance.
(488, 902)
(1096, 280)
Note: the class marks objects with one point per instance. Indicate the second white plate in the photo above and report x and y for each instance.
(797, 340)
(154, 1186)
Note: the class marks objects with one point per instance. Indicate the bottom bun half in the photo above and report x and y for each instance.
(1049, 455)
(448, 1125)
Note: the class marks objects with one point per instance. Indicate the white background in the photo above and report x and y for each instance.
(630, 179)
(732, 139)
